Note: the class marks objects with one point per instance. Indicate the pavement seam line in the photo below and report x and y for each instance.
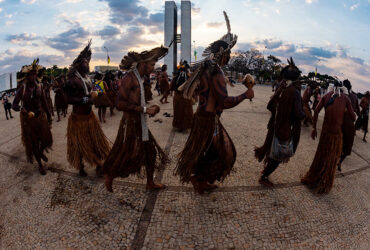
(146, 214)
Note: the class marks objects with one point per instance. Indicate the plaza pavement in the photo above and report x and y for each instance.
(63, 211)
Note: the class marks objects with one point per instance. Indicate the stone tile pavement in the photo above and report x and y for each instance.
(61, 210)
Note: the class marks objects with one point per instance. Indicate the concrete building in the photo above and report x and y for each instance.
(172, 38)
(170, 33)
(8, 81)
(102, 69)
(186, 30)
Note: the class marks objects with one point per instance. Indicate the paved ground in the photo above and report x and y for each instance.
(61, 210)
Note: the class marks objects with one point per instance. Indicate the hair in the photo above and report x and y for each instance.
(347, 84)
(291, 71)
(216, 46)
(98, 76)
(164, 67)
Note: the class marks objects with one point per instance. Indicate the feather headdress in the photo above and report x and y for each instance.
(212, 53)
(84, 54)
(34, 67)
(132, 59)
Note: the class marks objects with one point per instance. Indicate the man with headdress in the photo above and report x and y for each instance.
(60, 99)
(209, 153)
(163, 84)
(135, 145)
(284, 126)
(85, 138)
(348, 127)
(363, 119)
(320, 176)
(34, 114)
(182, 107)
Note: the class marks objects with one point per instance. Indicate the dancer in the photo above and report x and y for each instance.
(284, 126)
(34, 114)
(363, 120)
(60, 98)
(348, 127)
(135, 145)
(46, 85)
(320, 176)
(209, 153)
(85, 138)
(182, 107)
(101, 101)
(164, 85)
(7, 106)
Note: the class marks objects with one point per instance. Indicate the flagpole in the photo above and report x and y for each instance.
(107, 55)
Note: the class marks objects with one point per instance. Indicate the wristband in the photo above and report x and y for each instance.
(144, 110)
(85, 100)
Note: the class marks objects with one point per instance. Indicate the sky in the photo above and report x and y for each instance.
(332, 34)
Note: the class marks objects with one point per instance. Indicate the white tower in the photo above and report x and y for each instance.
(170, 33)
(186, 30)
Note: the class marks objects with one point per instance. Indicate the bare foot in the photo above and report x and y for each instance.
(266, 182)
(108, 183)
(155, 186)
(208, 186)
(82, 173)
(99, 171)
(196, 185)
(42, 170)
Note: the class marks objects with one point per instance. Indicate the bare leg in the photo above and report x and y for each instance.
(82, 172)
(269, 168)
(150, 185)
(364, 139)
(108, 182)
(104, 111)
(37, 155)
(99, 114)
(58, 111)
(111, 110)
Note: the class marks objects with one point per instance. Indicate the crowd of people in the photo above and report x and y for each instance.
(209, 153)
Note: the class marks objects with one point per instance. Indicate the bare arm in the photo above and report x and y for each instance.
(350, 109)
(220, 91)
(298, 112)
(70, 91)
(17, 99)
(128, 87)
(317, 110)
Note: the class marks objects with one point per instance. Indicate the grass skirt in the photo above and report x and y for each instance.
(321, 174)
(182, 112)
(85, 139)
(36, 135)
(199, 156)
(129, 153)
(102, 100)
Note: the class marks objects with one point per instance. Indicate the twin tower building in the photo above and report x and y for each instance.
(172, 38)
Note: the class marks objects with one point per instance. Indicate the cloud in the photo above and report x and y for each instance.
(124, 11)
(28, 1)
(1, 10)
(20, 38)
(310, 1)
(7, 23)
(319, 52)
(11, 61)
(109, 31)
(355, 6)
(73, 1)
(214, 24)
(69, 40)
(270, 44)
